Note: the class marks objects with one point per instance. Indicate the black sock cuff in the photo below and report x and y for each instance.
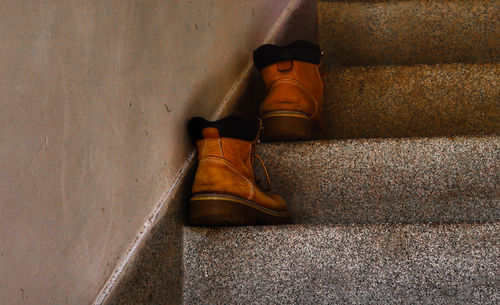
(302, 50)
(229, 127)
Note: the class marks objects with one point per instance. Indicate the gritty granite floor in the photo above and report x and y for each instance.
(409, 101)
(388, 180)
(376, 264)
(155, 275)
(409, 32)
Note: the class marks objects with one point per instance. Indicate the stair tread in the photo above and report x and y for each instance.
(401, 180)
(409, 32)
(327, 264)
(405, 101)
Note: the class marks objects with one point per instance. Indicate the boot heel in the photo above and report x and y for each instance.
(226, 210)
(286, 126)
(218, 213)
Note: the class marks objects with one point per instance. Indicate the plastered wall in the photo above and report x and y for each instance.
(94, 98)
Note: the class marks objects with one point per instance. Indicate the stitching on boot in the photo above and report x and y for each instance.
(202, 148)
(226, 163)
(220, 145)
(280, 82)
(286, 74)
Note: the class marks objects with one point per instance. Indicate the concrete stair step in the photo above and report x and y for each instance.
(407, 101)
(373, 264)
(388, 180)
(409, 32)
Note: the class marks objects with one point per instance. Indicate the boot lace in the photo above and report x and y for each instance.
(268, 188)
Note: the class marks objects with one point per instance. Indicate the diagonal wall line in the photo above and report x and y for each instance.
(162, 204)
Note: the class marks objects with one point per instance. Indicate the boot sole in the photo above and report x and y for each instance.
(286, 126)
(226, 210)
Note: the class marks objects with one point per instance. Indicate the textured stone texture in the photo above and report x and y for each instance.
(406, 101)
(376, 264)
(388, 180)
(409, 32)
(155, 275)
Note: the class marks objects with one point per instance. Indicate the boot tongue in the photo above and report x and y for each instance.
(210, 133)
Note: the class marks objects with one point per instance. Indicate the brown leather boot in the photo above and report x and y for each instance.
(294, 100)
(224, 188)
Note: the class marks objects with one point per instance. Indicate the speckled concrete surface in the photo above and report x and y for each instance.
(155, 275)
(376, 264)
(405, 101)
(409, 32)
(388, 180)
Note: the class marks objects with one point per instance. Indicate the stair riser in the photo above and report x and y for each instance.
(409, 32)
(402, 101)
(412, 264)
(388, 181)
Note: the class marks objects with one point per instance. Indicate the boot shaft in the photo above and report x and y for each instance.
(225, 155)
(292, 78)
(236, 152)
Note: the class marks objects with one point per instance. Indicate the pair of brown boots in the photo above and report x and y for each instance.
(224, 189)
